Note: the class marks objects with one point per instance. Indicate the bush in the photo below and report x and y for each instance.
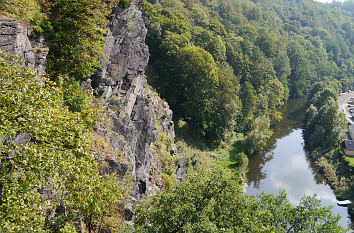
(53, 167)
(123, 3)
(28, 11)
(257, 138)
(350, 160)
(74, 97)
(212, 202)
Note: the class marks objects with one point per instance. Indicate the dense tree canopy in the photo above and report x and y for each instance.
(325, 127)
(214, 203)
(224, 66)
(275, 49)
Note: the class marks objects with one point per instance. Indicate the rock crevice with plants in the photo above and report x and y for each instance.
(138, 117)
(137, 126)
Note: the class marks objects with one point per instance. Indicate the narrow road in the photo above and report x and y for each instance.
(342, 100)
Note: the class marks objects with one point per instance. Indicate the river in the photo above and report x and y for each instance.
(284, 165)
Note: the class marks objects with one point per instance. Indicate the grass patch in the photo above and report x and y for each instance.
(231, 156)
(228, 157)
(350, 160)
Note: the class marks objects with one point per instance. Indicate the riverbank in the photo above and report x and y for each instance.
(325, 127)
(343, 101)
(284, 156)
(275, 171)
(337, 175)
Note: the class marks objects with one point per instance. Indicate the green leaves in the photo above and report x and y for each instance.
(186, 208)
(324, 126)
(75, 37)
(53, 167)
(214, 203)
(188, 68)
(74, 32)
(258, 136)
(279, 48)
(25, 10)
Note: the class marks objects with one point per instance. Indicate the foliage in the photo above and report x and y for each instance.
(198, 156)
(224, 66)
(232, 157)
(324, 129)
(350, 160)
(78, 100)
(214, 203)
(275, 49)
(73, 30)
(122, 3)
(163, 147)
(197, 88)
(324, 126)
(74, 97)
(258, 136)
(52, 169)
(301, 73)
(74, 33)
(197, 76)
(25, 10)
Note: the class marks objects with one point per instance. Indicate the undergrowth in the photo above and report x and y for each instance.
(228, 157)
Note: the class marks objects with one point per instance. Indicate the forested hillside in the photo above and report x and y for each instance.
(227, 66)
(88, 146)
(324, 129)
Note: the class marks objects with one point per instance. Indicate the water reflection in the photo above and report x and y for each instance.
(284, 166)
(290, 171)
(293, 114)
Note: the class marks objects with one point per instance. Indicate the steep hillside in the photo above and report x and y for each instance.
(258, 53)
(84, 138)
(134, 136)
(139, 122)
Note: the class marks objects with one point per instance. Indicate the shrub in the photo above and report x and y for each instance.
(212, 202)
(53, 167)
(28, 11)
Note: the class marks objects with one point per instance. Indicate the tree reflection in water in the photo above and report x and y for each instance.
(293, 113)
(285, 166)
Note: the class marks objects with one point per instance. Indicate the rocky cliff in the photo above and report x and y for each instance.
(139, 118)
(25, 42)
(138, 124)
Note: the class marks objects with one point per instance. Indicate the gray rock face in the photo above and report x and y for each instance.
(22, 139)
(138, 115)
(25, 42)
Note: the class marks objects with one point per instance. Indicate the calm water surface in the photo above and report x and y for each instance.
(284, 166)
